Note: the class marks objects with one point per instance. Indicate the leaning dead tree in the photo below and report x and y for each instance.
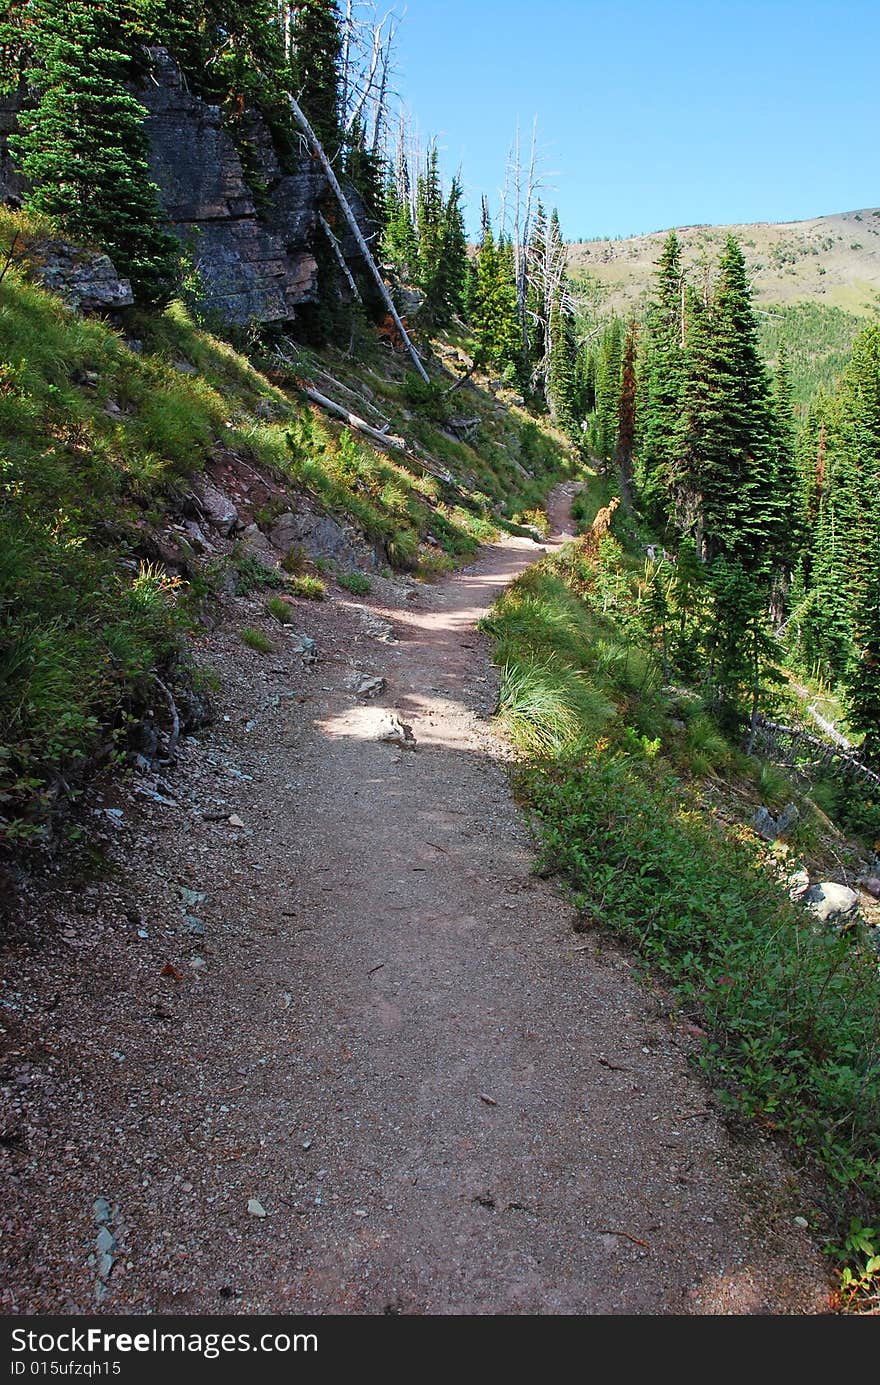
(345, 207)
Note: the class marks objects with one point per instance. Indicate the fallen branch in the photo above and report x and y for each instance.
(462, 379)
(350, 217)
(172, 707)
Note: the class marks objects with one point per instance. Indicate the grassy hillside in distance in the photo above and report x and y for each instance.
(834, 260)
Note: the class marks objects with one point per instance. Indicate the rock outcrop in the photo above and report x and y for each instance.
(85, 279)
(257, 262)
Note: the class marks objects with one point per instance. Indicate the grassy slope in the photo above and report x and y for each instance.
(101, 441)
(815, 281)
(641, 807)
(834, 260)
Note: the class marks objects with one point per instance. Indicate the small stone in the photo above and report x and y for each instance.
(872, 886)
(788, 819)
(255, 1208)
(393, 731)
(194, 925)
(370, 687)
(105, 1241)
(142, 933)
(235, 821)
(801, 1222)
(190, 897)
(765, 825)
(101, 1209)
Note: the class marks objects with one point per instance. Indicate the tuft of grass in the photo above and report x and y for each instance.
(280, 610)
(547, 709)
(251, 574)
(310, 588)
(255, 639)
(355, 582)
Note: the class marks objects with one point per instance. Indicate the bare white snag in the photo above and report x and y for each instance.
(345, 207)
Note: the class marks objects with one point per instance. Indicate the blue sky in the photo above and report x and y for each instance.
(655, 114)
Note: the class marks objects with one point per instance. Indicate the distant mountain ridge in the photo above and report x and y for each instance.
(832, 260)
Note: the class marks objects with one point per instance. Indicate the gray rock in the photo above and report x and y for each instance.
(370, 687)
(765, 825)
(871, 885)
(831, 902)
(321, 536)
(105, 1241)
(305, 646)
(798, 884)
(788, 819)
(393, 731)
(194, 925)
(84, 279)
(410, 301)
(190, 897)
(254, 541)
(217, 508)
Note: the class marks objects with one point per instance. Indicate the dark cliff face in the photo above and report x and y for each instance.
(256, 264)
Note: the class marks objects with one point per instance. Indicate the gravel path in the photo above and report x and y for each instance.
(385, 1037)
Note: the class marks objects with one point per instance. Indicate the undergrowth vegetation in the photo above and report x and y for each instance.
(621, 765)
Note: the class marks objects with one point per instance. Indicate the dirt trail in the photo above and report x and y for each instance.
(444, 1100)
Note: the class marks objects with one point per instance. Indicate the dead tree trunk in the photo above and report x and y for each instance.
(340, 258)
(350, 217)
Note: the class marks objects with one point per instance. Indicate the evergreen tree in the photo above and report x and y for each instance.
(858, 483)
(453, 275)
(365, 171)
(83, 148)
(609, 369)
(429, 230)
(663, 379)
(400, 244)
(561, 386)
(315, 61)
(740, 494)
(492, 305)
(626, 426)
(788, 495)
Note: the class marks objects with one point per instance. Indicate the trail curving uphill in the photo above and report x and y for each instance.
(387, 1039)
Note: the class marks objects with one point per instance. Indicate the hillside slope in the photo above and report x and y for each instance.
(152, 470)
(832, 260)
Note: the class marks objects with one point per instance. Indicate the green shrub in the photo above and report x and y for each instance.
(355, 582)
(310, 588)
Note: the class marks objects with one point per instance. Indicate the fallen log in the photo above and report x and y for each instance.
(389, 440)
